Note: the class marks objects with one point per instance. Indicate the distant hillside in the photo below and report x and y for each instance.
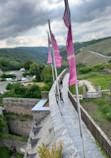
(88, 58)
(102, 46)
(24, 54)
(81, 49)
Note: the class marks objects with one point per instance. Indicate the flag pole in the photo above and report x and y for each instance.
(51, 61)
(77, 94)
(55, 67)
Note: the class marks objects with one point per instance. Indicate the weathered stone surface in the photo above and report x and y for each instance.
(19, 105)
(19, 127)
(19, 145)
(44, 94)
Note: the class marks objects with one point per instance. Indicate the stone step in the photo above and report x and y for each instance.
(31, 155)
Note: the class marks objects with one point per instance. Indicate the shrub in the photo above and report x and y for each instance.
(8, 75)
(5, 152)
(84, 70)
(98, 67)
(9, 86)
(33, 92)
(26, 74)
(44, 152)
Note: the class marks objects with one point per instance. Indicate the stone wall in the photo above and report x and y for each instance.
(99, 135)
(19, 105)
(19, 145)
(19, 127)
(38, 115)
(44, 94)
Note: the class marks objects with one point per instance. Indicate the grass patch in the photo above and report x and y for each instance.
(96, 142)
(5, 152)
(98, 79)
(80, 89)
(13, 137)
(40, 84)
(12, 115)
(103, 104)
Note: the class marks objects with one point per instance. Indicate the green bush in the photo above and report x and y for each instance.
(9, 86)
(5, 152)
(98, 67)
(3, 79)
(33, 92)
(84, 70)
(8, 75)
(17, 90)
(44, 152)
(19, 156)
(27, 74)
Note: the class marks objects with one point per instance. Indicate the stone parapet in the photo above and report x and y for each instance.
(96, 131)
(61, 133)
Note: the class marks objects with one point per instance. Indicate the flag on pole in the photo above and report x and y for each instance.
(70, 47)
(49, 52)
(58, 58)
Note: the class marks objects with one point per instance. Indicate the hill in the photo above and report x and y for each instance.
(23, 54)
(40, 54)
(102, 46)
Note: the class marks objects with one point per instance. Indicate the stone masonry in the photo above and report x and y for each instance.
(19, 105)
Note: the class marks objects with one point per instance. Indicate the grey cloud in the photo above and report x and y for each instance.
(19, 16)
(90, 10)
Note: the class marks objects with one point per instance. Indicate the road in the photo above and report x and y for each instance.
(104, 56)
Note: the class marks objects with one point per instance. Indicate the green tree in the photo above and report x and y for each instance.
(47, 74)
(27, 65)
(34, 70)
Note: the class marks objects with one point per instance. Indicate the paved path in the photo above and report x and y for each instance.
(70, 118)
(104, 56)
(88, 84)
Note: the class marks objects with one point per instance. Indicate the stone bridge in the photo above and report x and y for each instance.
(60, 123)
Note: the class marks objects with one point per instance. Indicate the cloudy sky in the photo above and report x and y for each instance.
(24, 22)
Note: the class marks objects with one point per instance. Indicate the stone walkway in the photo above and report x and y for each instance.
(70, 118)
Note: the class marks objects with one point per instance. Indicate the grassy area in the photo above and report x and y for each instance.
(98, 79)
(14, 115)
(40, 84)
(103, 105)
(13, 137)
(90, 59)
(72, 89)
(6, 153)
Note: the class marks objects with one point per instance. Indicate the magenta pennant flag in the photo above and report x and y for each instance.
(70, 47)
(72, 71)
(49, 53)
(66, 15)
(58, 58)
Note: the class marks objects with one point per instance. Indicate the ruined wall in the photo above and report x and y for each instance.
(19, 127)
(19, 105)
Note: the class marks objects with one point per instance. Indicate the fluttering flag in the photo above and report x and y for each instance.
(70, 47)
(58, 58)
(49, 52)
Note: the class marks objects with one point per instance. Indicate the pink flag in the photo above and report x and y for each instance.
(58, 58)
(66, 16)
(72, 71)
(70, 47)
(49, 53)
